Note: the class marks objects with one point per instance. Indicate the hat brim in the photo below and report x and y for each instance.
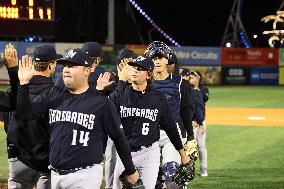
(58, 56)
(135, 64)
(67, 61)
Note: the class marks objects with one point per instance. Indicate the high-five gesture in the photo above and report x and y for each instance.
(123, 70)
(103, 81)
(10, 56)
(26, 70)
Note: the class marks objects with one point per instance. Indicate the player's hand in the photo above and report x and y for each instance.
(10, 56)
(185, 159)
(26, 70)
(103, 81)
(132, 179)
(194, 124)
(202, 129)
(123, 70)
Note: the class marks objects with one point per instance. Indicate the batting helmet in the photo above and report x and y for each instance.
(169, 169)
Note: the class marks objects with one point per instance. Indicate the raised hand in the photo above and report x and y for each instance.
(103, 81)
(123, 70)
(26, 70)
(10, 56)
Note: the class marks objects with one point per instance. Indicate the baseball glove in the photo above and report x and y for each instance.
(126, 185)
(184, 174)
(190, 148)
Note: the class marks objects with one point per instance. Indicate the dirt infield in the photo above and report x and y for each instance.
(3, 186)
(245, 116)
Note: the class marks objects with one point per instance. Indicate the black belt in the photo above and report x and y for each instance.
(67, 171)
(138, 148)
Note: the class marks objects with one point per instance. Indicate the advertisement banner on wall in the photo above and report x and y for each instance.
(281, 75)
(199, 56)
(211, 75)
(250, 56)
(281, 57)
(235, 75)
(263, 76)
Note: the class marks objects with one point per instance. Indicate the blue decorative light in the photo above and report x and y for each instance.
(141, 11)
(244, 40)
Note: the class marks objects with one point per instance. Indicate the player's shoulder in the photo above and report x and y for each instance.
(154, 93)
(176, 76)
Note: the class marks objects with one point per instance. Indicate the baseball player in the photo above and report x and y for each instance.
(80, 118)
(178, 95)
(124, 55)
(28, 140)
(95, 51)
(143, 111)
(199, 120)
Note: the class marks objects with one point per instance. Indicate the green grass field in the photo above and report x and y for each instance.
(239, 157)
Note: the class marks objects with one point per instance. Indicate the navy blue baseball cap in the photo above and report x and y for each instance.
(125, 53)
(185, 72)
(93, 49)
(172, 58)
(143, 62)
(45, 53)
(77, 57)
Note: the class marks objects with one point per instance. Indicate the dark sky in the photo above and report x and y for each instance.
(191, 23)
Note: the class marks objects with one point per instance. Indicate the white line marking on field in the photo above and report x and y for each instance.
(256, 118)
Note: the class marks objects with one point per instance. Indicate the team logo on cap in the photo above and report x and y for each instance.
(139, 59)
(71, 54)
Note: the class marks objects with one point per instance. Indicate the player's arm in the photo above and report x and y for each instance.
(8, 100)
(169, 126)
(25, 109)
(199, 109)
(205, 93)
(111, 125)
(186, 108)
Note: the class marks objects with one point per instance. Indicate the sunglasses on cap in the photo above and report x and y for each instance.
(195, 74)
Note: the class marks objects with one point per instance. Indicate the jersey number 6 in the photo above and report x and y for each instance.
(145, 129)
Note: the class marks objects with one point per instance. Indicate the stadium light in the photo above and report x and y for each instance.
(228, 44)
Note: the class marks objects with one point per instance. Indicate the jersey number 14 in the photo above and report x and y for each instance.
(84, 138)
